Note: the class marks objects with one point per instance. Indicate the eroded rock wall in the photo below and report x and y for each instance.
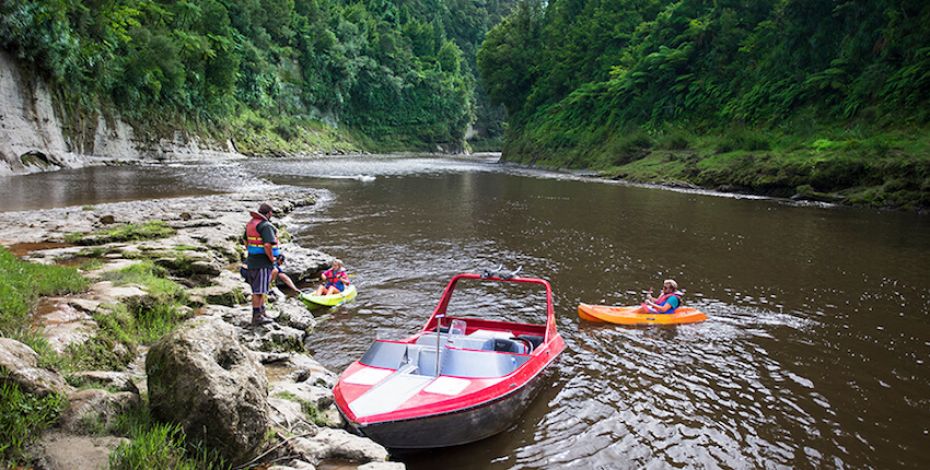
(30, 132)
(33, 133)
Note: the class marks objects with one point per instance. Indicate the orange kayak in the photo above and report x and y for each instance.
(634, 315)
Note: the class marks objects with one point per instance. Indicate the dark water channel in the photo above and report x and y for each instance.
(815, 354)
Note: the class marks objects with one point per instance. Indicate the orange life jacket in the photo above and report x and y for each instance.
(254, 242)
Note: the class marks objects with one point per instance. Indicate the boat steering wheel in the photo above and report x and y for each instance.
(527, 343)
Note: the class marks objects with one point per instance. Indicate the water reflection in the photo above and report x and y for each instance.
(100, 184)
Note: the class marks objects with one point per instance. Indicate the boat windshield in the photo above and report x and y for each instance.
(509, 302)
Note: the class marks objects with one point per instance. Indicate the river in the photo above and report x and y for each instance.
(815, 353)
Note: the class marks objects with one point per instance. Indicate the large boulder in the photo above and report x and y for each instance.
(201, 377)
(304, 264)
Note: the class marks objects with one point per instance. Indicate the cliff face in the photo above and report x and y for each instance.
(32, 136)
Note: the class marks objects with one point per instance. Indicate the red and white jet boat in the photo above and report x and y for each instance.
(488, 372)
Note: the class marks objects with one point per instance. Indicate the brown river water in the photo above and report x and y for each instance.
(816, 352)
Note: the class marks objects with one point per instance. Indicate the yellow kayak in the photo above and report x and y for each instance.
(634, 315)
(330, 300)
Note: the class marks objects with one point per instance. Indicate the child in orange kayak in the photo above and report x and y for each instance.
(336, 280)
(665, 303)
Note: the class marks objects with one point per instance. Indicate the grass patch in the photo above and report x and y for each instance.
(122, 330)
(152, 279)
(123, 327)
(630, 146)
(23, 417)
(95, 252)
(258, 135)
(155, 445)
(91, 264)
(122, 233)
(21, 285)
(674, 139)
(48, 357)
(313, 413)
(887, 168)
(742, 139)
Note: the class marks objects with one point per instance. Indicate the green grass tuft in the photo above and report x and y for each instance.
(123, 327)
(314, 415)
(21, 285)
(156, 445)
(152, 279)
(23, 417)
(161, 446)
(122, 233)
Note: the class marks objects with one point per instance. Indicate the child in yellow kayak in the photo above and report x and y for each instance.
(665, 303)
(336, 279)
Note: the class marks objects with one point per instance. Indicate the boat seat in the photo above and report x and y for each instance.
(505, 345)
(536, 340)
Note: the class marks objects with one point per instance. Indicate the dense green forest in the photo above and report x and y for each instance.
(825, 99)
(277, 75)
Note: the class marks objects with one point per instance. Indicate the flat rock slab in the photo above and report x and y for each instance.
(59, 451)
(62, 324)
(121, 381)
(294, 465)
(382, 466)
(273, 337)
(337, 444)
(106, 292)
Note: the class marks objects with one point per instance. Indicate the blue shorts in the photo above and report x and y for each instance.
(338, 285)
(259, 280)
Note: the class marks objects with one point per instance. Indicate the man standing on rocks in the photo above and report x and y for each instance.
(261, 244)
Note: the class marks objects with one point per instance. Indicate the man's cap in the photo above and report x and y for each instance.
(265, 208)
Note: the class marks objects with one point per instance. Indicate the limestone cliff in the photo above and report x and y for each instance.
(34, 137)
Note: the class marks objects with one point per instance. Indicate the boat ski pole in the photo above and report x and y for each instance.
(438, 329)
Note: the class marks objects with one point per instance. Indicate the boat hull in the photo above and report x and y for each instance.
(457, 427)
(633, 315)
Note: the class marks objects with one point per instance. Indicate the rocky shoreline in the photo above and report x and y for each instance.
(252, 395)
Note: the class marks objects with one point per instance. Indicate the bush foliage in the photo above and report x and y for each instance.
(399, 71)
(782, 78)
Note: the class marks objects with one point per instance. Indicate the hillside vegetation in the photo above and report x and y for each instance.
(823, 99)
(278, 75)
